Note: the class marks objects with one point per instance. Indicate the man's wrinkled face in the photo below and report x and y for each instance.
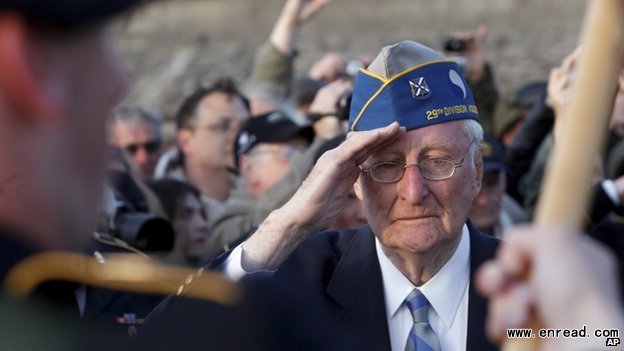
(415, 214)
(267, 163)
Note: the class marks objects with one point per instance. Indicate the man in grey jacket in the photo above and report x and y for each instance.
(253, 199)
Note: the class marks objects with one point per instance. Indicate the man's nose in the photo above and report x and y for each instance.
(413, 187)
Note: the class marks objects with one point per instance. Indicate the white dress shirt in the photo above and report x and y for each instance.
(447, 293)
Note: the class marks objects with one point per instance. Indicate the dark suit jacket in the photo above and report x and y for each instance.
(342, 270)
(327, 295)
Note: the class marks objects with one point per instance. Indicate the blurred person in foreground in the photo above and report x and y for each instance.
(571, 283)
(138, 131)
(493, 211)
(59, 80)
(413, 156)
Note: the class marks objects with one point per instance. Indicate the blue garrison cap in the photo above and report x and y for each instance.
(413, 85)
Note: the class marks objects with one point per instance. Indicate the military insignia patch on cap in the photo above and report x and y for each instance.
(420, 89)
(457, 83)
(377, 102)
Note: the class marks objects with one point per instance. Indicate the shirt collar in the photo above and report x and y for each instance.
(445, 301)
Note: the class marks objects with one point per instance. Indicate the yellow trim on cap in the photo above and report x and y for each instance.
(388, 82)
(374, 75)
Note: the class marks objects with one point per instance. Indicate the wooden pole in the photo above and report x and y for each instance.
(567, 183)
(565, 191)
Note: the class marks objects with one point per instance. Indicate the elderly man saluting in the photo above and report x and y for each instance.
(404, 281)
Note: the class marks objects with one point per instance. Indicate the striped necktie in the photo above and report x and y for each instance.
(421, 337)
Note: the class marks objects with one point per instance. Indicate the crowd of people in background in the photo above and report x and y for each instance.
(242, 150)
(240, 153)
(247, 150)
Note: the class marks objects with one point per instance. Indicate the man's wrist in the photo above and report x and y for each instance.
(278, 235)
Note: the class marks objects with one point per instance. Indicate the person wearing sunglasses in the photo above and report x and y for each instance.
(138, 131)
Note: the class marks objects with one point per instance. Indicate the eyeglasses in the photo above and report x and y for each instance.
(431, 169)
(150, 147)
(223, 126)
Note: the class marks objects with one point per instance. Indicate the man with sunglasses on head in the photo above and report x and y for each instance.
(404, 281)
(59, 80)
(138, 131)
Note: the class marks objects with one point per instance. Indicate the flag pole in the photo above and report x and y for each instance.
(566, 187)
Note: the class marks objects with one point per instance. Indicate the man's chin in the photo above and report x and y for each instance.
(416, 239)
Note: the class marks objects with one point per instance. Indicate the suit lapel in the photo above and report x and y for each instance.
(357, 287)
(482, 248)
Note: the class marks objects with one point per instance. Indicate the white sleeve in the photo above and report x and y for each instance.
(233, 269)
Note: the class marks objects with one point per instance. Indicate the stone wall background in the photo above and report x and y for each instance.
(170, 47)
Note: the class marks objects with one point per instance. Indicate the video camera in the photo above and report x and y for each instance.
(127, 212)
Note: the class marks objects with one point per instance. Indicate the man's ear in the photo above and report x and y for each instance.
(357, 188)
(250, 175)
(183, 138)
(246, 166)
(23, 75)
